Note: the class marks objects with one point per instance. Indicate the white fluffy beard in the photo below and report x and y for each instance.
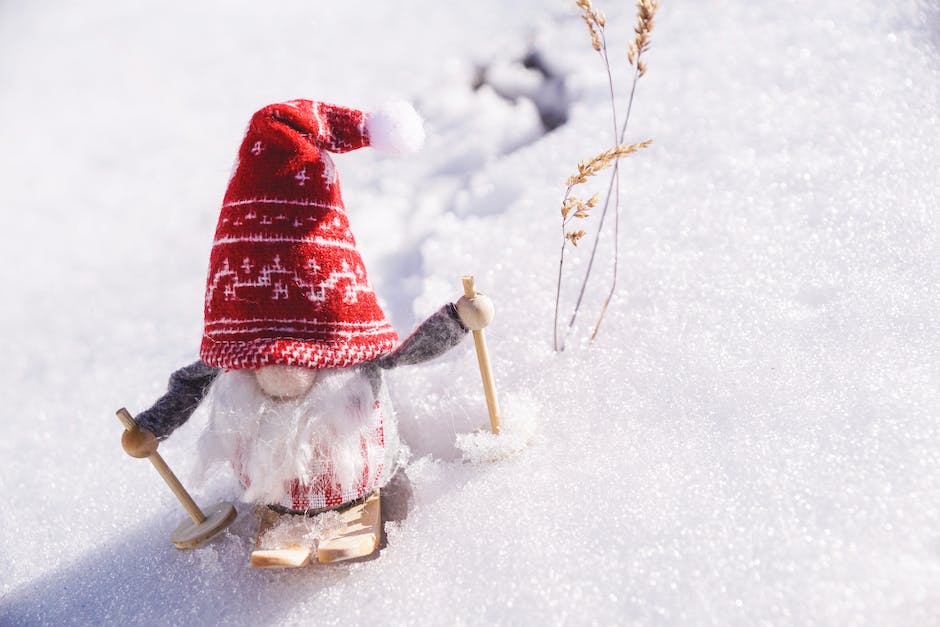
(271, 442)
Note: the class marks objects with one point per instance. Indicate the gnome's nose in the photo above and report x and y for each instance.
(285, 381)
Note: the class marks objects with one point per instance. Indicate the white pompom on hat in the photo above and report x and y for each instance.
(395, 128)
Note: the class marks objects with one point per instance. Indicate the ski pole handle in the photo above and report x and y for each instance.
(175, 486)
(483, 358)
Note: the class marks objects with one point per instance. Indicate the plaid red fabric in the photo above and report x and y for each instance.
(322, 489)
(286, 282)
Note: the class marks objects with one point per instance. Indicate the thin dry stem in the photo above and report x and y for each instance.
(646, 11)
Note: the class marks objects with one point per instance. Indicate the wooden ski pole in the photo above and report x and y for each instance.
(483, 358)
(157, 460)
(202, 528)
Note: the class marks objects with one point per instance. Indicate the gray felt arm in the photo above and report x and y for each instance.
(433, 337)
(187, 387)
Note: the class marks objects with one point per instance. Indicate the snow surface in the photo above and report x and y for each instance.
(754, 437)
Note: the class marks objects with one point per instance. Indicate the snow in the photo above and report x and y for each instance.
(752, 438)
(518, 417)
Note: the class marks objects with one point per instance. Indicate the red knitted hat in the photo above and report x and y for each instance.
(286, 283)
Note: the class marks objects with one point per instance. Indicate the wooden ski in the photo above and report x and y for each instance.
(358, 537)
(282, 557)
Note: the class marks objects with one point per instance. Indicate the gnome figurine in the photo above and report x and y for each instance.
(295, 343)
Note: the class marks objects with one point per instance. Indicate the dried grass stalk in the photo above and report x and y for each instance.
(587, 169)
(572, 208)
(595, 21)
(646, 12)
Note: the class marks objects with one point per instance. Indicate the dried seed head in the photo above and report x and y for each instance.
(571, 204)
(587, 169)
(646, 11)
(594, 20)
(567, 206)
(574, 236)
(593, 201)
(595, 38)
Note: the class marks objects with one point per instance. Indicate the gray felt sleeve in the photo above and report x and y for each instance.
(433, 337)
(187, 387)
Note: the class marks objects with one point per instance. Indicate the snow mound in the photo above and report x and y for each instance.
(517, 427)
